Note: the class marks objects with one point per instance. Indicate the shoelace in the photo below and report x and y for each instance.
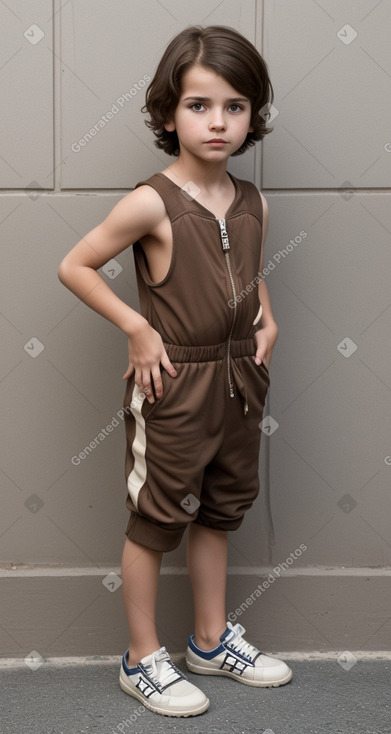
(168, 673)
(238, 644)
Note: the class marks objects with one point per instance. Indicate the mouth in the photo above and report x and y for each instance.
(218, 141)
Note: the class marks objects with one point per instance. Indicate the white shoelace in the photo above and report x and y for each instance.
(238, 644)
(161, 670)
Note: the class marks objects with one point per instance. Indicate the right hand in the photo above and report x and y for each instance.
(146, 354)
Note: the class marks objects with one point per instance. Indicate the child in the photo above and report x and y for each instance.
(199, 352)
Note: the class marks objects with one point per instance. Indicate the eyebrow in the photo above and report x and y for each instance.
(208, 99)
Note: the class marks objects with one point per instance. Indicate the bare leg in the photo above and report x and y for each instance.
(140, 576)
(207, 563)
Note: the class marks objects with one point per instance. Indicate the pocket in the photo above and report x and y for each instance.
(257, 385)
(266, 368)
(135, 401)
(149, 409)
(258, 372)
(128, 393)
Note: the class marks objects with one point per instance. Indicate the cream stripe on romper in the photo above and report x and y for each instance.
(138, 474)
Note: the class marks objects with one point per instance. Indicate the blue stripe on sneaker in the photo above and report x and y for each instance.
(129, 671)
(202, 653)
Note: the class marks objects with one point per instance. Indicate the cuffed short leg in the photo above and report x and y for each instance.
(148, 534)
(222, 525)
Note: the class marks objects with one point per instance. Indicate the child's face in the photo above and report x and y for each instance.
(209, 109)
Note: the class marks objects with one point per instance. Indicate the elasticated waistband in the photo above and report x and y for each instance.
(210, 352)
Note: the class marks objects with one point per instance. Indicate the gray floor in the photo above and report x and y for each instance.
(321, 698)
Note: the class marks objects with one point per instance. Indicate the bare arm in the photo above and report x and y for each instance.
(266, 336)
(137, 214)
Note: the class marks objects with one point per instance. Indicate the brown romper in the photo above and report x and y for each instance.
(192, 455)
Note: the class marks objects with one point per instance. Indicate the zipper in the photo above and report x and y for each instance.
(226, 249)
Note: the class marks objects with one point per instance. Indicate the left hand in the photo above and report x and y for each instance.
(265, 338)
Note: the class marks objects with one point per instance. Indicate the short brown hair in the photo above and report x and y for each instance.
(226, 52)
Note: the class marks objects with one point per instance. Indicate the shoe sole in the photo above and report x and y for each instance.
(258, 684)
(164, 712)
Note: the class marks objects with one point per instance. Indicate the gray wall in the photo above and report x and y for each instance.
(326, 469)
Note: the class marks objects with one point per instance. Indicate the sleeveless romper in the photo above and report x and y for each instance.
(192, 455)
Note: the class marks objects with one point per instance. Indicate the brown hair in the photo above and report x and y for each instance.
(224, 51)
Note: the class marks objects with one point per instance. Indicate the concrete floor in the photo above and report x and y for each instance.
(322, 698)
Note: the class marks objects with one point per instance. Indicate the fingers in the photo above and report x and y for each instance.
(167, 365)
(148, 394)
(258, 356)
(157, 382)
(149, 379)
(143, 380)
(128, 372)
(262, 358)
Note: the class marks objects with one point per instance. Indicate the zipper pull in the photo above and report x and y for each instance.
(224, 235)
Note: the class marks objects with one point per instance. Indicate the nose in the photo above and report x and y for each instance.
(217, 121)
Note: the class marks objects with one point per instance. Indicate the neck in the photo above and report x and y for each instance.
(206, 175)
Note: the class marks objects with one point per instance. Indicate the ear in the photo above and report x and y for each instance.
(251, 129)
(169, 126)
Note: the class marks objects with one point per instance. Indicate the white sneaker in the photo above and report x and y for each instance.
(161, 687)
(236, 658)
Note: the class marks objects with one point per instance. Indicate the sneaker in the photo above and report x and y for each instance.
(236, 658)
(161, 687)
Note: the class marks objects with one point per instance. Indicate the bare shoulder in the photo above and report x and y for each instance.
(265, 218)
(264, 204)
(142, 207)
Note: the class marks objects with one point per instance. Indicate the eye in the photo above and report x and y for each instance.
(237, 107)
(196, 106)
